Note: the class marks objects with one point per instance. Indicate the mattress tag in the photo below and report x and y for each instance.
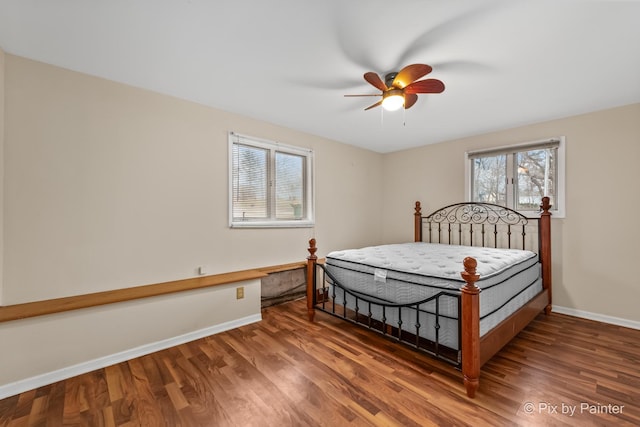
(380, 275)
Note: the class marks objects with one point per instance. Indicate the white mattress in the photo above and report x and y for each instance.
(411, 272)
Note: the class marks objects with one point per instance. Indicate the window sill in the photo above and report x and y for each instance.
(273, 224)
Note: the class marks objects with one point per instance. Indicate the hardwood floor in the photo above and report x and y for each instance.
(286, 371)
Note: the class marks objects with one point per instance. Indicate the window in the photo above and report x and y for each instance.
(271, 184)
(518, 176)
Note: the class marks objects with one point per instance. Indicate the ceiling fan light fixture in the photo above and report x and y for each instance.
(401, 89)
(393, 99)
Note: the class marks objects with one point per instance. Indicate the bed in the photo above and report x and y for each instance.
(475, 275)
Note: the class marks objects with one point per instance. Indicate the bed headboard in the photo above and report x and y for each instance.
(485, 224)
(480, 224)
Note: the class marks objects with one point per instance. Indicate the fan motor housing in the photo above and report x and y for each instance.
(388, 78)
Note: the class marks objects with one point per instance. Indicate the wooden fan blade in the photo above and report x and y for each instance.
(425, 86)
(375, 80)
(374, 105)
(409, 100)
(410, 74)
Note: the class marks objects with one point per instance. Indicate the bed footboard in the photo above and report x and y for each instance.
(403, 322)
(430, 325)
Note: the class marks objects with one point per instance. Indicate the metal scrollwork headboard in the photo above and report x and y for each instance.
(477, 213)
(478, 224)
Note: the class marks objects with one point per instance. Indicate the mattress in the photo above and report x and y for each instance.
(408, 273)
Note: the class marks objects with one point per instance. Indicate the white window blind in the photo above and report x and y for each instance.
(249, 182)
(271, 183)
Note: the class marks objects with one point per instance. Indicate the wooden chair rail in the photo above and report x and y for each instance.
(58, 305)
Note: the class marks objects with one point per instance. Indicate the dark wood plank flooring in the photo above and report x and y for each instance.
(285, 371)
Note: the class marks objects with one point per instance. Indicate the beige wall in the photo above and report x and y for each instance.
(108, 186)
(594, 246)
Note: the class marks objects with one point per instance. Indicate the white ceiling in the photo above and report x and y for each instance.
(505, 63)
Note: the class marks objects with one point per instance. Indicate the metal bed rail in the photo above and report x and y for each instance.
(331, 297)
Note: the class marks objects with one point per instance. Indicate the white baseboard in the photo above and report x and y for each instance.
(597, 317)
(27, 384)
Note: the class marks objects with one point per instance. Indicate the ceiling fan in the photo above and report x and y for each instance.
(401, 89)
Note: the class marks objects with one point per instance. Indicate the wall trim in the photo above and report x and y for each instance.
(597, 317)
(32, 383)
(76, 302)
(59, 305)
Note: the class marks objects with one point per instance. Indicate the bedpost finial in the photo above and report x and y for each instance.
(469, 274)
(418, 208)
(312, 249)
(545, 205)
(470, 265)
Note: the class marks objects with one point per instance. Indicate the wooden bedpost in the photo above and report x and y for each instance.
(545, 248)
(311, 288)
(470, 327)
(417, 223)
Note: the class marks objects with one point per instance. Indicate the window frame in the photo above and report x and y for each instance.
(558, 210)
(307, 220)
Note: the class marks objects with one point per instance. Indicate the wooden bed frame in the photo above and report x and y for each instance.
(475, 351)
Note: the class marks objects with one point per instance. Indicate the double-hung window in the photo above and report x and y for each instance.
(271, 184)
(518, 176)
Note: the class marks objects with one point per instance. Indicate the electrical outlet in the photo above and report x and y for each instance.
(240, 292)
